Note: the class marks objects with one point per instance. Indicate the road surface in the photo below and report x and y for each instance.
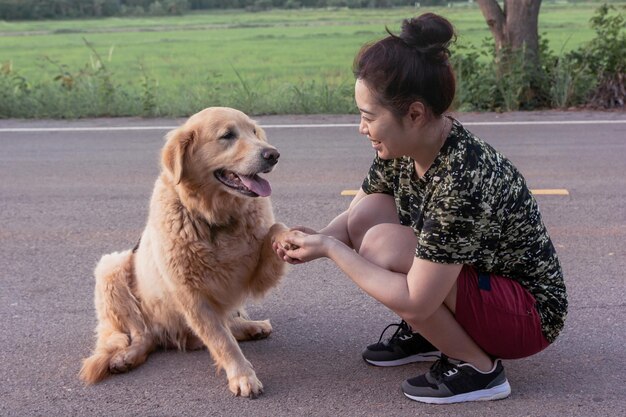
(71, 191)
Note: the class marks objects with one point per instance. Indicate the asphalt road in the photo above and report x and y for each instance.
(70, 193)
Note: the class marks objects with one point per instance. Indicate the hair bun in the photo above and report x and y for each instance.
(429, 34)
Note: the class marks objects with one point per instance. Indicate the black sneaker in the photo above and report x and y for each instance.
(401, 348)
(448, 383)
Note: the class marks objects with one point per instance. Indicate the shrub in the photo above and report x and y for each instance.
(604, 58)
(476, 80)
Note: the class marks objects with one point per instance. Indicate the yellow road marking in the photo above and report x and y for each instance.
(542, 191)
(550, 191)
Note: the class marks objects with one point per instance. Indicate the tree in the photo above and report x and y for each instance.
(519, 74)
(514, 27)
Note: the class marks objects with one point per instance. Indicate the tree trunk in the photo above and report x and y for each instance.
(515, 26)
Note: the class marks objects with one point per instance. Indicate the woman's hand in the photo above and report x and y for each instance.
(296, 246)
(281, 246)
(281, 236)
(304, 229)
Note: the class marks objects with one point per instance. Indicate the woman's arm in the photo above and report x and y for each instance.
(413, 296)
(338, 227)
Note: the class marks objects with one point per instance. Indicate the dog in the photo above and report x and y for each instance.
(206, 248)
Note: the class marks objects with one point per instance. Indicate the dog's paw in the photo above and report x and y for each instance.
(118, 364)
(279, 233)
(245, 385)
(259, 329)
(123, 361)
(250, 329)
(277, 228)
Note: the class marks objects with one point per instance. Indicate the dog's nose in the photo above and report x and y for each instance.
(271, 156)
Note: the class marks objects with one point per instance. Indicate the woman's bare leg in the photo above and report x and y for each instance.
(370, 211)
(392, 246)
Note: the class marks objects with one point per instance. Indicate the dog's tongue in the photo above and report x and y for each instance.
(257, 185)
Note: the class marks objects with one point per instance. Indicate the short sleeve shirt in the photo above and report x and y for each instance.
(473, 207)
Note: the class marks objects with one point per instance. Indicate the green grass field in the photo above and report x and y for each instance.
(269, 46)
(210, 51)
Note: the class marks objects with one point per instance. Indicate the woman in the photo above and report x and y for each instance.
(443, 231)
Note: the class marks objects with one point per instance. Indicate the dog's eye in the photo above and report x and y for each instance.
(254, 131)
(228, 135)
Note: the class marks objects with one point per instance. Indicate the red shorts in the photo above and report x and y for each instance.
(499, 314)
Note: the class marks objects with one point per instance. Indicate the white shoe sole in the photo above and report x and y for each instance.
(496, 393)
(422, 357)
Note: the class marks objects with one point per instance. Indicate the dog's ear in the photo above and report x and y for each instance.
(177, 148)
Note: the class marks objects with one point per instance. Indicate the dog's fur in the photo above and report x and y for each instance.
(206, 247)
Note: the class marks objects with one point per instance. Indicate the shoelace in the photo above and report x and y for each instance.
(441, 367)
(402, 328)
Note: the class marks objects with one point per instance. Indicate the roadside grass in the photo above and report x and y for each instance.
(279, 61)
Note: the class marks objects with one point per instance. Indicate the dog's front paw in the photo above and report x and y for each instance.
(120, 363)
(259, 329)
(245, 385)
(279, 232)
(276, 230)
(244, 329)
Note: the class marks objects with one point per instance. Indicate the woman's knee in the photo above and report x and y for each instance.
(390, 246)
(370, 211)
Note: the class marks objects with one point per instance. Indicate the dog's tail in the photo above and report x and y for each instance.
(118, 313)
(97, 367)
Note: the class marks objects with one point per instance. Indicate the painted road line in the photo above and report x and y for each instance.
(545, 122)
(84, 129)
(541, 191)
(550, 191)
(289, 126)
(503, 123)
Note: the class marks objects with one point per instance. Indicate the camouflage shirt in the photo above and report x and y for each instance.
(473, 207)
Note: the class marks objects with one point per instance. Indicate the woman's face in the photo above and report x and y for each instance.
(386, 132)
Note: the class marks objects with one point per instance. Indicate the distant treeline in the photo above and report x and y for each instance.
(64, 9)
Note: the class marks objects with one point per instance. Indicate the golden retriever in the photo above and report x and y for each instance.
(206, 247)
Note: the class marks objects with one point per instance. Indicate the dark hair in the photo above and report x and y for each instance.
(412, 66)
